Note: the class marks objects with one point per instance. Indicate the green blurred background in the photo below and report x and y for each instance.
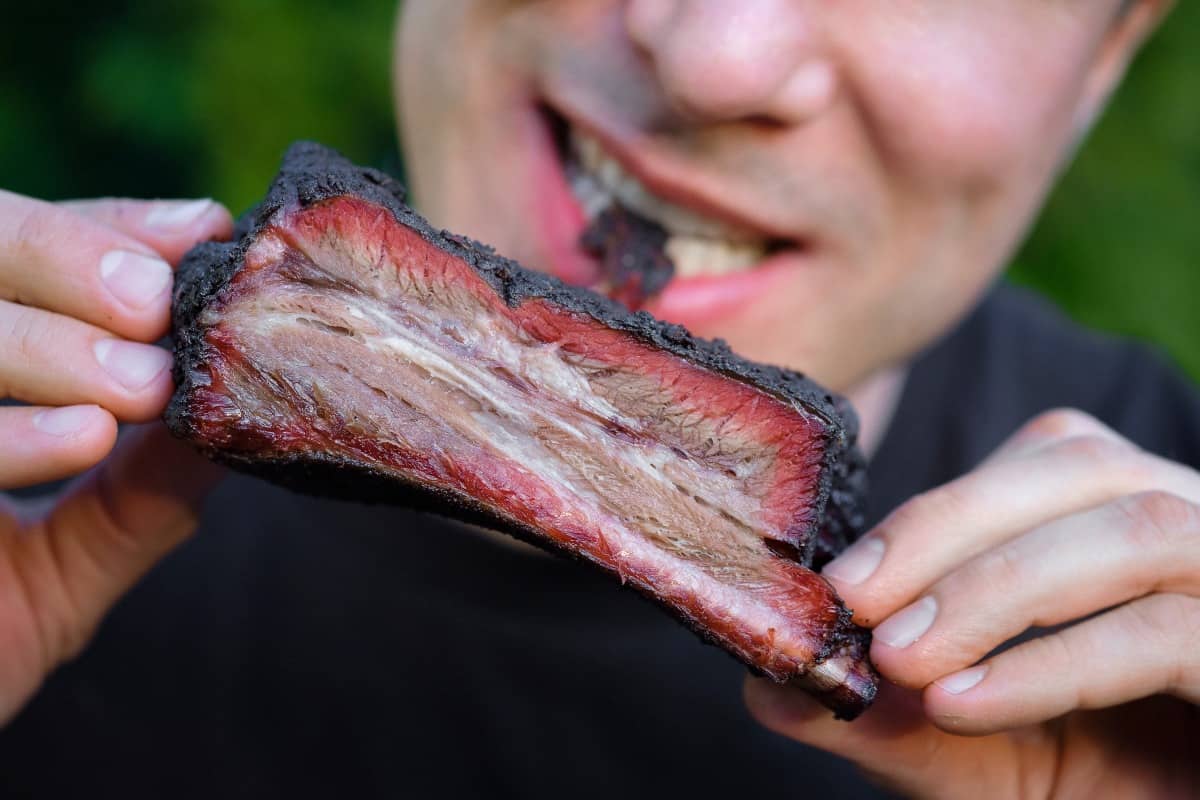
(180, 99)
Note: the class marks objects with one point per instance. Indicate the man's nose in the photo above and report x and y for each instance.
(730, 59)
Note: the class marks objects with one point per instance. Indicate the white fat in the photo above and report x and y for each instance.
(506, 422)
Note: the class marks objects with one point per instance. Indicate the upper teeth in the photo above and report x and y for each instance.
(696, 245)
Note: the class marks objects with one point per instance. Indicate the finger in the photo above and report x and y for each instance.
(49, 359)
(893, 741)
(169, 227)
(45, 444)
(110, 527)
(1142, 648)
(1061, 571)
(53, 259)
(1051, 427)
(935, 532)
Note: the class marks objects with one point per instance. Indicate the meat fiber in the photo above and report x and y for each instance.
(340, 345)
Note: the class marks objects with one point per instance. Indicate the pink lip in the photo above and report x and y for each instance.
(702, 300)
(559, 214)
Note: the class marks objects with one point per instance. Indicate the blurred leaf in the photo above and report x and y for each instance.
(1119, 243)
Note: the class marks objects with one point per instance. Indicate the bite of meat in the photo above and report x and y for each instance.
(634, 265)
(341, 345)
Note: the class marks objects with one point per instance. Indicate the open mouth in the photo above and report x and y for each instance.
(642, 240)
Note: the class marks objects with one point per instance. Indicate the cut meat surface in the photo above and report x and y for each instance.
(341, 345)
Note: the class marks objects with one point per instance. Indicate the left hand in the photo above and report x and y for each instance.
(1067, 524)
(79, 280)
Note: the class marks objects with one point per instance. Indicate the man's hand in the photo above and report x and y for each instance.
(85, 289)
(1066, 526)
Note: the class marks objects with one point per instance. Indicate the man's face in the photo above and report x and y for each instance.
(842, 180)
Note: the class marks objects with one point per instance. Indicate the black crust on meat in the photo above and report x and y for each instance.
(312, 173)
(845, 514)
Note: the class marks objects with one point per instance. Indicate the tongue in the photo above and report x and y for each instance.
(631, 249)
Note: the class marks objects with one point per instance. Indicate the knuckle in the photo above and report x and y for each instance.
(925, 509)
(1157, 519)
(35, 229)
(26, 337)
(1058, 654)
(1156, 614)
(1166, 628)
(1117, 460)
(999, 567)
(1102, 451)
(1060, 423)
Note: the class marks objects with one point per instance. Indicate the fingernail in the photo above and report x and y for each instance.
(960, 682)
(63, 421)
(858, 563)
(175, 216)
(134, 279)
(908, 624)
(130, 364)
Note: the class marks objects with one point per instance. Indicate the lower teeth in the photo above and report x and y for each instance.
(692, 255)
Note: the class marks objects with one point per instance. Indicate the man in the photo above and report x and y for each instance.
(888, 158)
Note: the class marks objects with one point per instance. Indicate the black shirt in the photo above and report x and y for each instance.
(300, 646)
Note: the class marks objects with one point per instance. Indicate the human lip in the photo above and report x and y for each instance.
(699, 302)
(699, 295)
(559, 217)
(679, 182)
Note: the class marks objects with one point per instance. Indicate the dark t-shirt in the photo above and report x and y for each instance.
(299, 646)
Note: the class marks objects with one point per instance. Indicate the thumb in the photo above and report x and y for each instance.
(111, 526)
(892, 742)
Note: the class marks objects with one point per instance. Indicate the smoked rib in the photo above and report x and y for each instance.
(340, 345)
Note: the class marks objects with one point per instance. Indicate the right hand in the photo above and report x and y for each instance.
(85, 288)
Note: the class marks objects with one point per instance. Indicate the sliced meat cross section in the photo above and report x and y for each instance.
(341, 345)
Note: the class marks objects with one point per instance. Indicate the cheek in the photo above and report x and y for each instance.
(968, 99)
(455, 107)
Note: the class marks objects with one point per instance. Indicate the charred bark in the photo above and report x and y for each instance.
(341, 345)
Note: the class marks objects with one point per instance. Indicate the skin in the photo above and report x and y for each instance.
(76, 348)
(903, 149)
(907, 146)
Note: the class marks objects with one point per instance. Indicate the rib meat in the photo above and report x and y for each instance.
(341, 345)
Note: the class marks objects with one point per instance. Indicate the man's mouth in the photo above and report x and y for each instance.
(642, 230)
(695, 243)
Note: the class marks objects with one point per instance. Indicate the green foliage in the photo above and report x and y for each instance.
(1119, 243)
(194, 98)
(189, 98)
